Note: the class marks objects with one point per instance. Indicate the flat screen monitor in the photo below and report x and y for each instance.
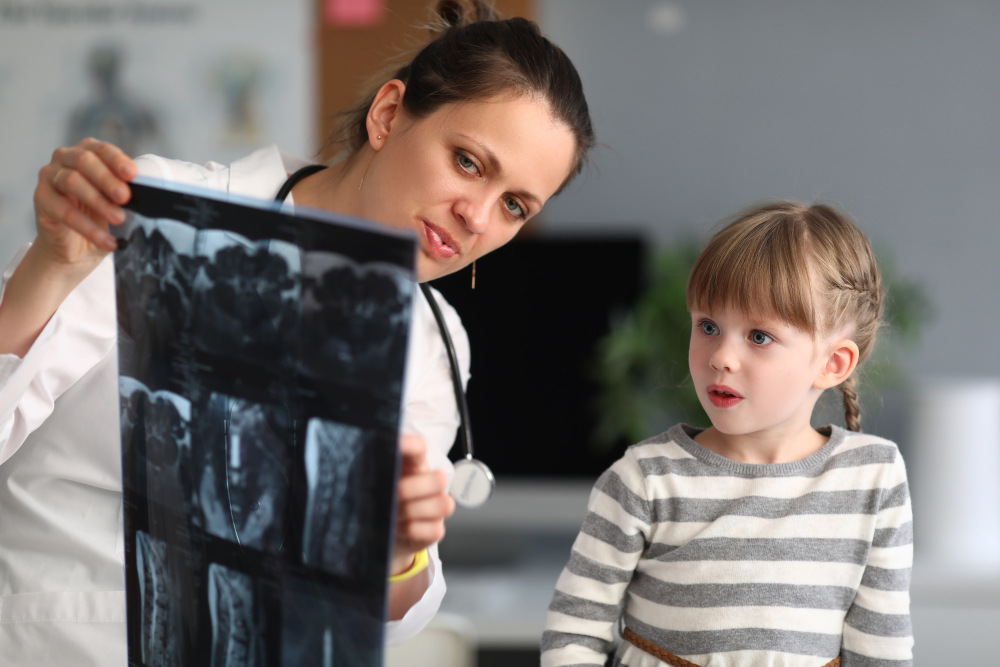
(534, 320)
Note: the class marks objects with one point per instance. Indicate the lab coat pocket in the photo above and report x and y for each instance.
(83, 628)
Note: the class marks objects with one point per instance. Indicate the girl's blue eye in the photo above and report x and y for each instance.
(709, 328)
(760, 338)
(511, 205)
(468, 165)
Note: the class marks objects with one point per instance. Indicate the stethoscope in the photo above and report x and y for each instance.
(473, 481)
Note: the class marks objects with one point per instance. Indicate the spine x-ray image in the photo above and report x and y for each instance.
(261, 361)
(237, 640)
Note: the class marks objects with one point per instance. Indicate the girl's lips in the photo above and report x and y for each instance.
(723, 396)
(439, 242)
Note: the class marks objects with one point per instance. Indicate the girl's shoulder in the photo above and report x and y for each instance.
(864, 449)
(874, 458)
(661, 453)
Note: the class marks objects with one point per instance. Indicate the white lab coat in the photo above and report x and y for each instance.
(62, 597)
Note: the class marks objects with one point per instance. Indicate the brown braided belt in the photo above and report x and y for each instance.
(671, 659)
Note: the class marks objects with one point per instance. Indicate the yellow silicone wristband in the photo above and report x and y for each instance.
(420, 562)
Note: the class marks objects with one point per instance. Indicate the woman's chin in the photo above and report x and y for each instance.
(432, 268)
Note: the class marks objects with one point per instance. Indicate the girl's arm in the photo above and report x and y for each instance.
(590, 594)
(877, 629)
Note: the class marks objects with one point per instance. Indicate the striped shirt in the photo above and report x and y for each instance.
(727, 563)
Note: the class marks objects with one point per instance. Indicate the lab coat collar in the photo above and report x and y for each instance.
(262, 173)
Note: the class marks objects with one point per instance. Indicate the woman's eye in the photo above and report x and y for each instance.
(511, 204)
(467, 164)
(709, 328)
(760, 338)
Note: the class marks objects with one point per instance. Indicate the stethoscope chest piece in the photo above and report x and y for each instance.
(473, 483)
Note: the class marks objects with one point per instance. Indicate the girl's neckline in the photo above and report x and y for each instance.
(683, 435)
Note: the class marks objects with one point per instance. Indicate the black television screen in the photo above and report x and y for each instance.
(534, 319)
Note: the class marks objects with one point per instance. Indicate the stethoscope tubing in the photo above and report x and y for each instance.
(465, 429)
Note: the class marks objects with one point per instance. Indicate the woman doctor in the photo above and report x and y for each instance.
(461, 145)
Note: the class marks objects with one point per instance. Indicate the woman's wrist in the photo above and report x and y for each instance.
(418, 564)
(31, 297)
(401, 563)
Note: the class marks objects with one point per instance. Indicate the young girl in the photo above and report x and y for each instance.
(759, 541)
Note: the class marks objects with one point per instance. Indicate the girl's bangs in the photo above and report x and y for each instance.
(759, 267)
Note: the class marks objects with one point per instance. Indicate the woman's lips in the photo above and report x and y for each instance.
(439, 242)
(723, 396)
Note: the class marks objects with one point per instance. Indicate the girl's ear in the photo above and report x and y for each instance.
(385, 112)
(842, 361)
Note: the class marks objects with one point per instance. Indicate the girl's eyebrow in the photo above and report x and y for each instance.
(495, 165)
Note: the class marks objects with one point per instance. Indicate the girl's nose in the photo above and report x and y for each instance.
(724, 358)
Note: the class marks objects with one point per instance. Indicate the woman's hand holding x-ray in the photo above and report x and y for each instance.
(79, 193)
(424, 504)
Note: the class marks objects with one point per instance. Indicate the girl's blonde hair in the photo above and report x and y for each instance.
(809, 266)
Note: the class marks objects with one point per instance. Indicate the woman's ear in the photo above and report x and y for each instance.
(841, 362)
(385, 112)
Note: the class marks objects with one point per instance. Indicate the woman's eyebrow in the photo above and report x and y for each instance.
(491, 157)
(495, 165)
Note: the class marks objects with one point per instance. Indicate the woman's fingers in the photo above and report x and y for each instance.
(417, 535)
(81, 190)
(414, 452)
(90, 173)
(75, 186)
(434, 508)
(415, 487)
(54, 211)
(116, 159)
(423, 499)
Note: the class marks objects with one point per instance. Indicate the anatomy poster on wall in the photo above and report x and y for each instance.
(195, 80)
(261, 362)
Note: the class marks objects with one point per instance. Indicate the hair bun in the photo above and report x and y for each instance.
(450, 13)
(457, 14)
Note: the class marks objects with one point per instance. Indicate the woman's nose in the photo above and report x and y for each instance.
(474, 213)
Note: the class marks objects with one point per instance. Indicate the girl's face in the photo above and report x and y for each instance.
(754, 376)
(467, 177)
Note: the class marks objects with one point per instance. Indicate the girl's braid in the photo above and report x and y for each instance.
(861, 301)
(852, 408)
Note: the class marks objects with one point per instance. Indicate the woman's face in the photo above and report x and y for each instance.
(466, 178)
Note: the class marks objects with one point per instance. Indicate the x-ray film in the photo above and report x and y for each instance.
(261, 360)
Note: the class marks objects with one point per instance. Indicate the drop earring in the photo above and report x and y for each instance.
(473, 274)
(370, 158)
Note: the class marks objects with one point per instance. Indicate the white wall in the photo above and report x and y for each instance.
(889, 109)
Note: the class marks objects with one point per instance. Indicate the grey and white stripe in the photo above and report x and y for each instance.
(727, 563)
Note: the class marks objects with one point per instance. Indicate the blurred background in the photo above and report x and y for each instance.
(887, 109)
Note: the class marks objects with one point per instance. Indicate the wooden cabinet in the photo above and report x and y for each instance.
(349, 56)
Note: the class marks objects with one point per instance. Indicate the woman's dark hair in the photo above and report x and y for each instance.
(476, 55)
